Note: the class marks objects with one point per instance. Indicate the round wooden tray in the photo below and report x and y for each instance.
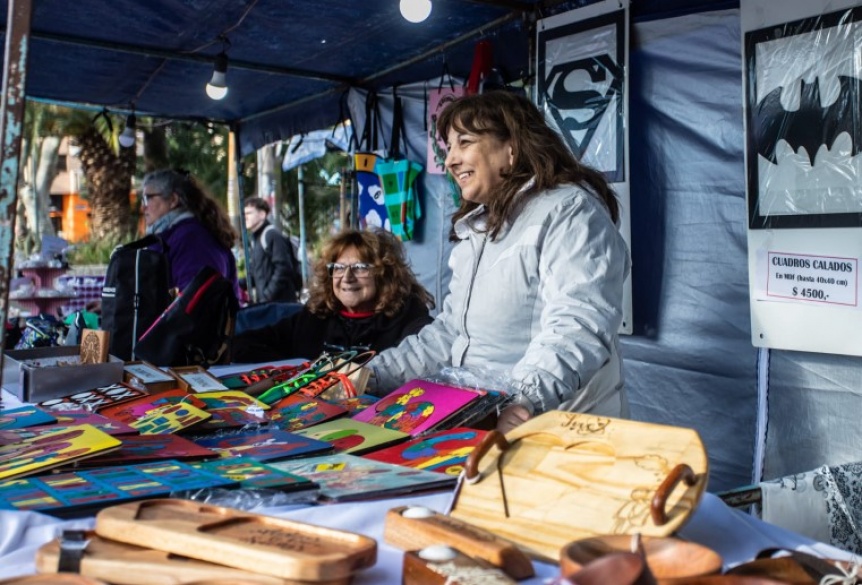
(666, 557)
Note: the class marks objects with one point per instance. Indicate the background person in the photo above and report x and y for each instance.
(196, 230)
(537, 274)
(363, 295)
(272, 264)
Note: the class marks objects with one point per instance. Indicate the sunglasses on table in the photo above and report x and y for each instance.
(358, 268)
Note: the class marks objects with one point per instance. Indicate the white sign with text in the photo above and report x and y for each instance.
(807, 278)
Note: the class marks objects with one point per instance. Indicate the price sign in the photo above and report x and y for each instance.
(812, 279)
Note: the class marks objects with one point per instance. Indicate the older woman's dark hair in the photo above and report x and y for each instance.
(538, 152)
(195, 198)
(384, 252)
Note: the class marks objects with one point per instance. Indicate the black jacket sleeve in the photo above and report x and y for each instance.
(281, 257)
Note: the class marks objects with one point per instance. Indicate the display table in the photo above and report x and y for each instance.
(736, 536)
(733, 534)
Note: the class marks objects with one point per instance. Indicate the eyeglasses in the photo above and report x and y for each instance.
(358, 269)
(145, 198)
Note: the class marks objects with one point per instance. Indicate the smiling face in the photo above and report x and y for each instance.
(477, 162)
(357, 293)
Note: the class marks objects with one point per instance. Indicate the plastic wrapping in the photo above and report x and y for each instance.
(249, 500)
(805, 122)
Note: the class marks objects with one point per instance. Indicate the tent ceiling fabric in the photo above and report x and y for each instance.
(290, 60)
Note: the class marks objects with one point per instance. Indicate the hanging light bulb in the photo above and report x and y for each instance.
(217, 87)
(415, 10)
(127, 137)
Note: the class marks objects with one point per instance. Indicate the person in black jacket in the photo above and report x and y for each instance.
(273, 264)
(363, 296)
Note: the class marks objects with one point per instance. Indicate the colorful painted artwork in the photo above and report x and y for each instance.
(417, 406)
(128, 412)
(245, 379)
(170, 418)
(298, 412)
(264, 445)
(231, 418)
(344, 477)
(251, 473)
(230, 399)
(85, 417)
(82, 493)
(352, 436)
(443, 452)
(53, 449)
(357, 403)
(145, 448)
(24, 416)
(95, 399)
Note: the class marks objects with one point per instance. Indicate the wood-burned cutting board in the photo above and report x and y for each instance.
(252, 542)
(562, 476)
(126, 564)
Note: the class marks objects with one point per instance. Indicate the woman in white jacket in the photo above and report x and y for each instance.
(537, 275)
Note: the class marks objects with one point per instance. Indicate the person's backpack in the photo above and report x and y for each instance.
(295, 266)
(135, 293)
(197, 328)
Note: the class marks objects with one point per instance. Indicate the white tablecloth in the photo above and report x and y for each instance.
(736, 536)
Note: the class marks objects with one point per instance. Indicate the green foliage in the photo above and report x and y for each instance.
(94, 252)
(202, 149)
(321, 202)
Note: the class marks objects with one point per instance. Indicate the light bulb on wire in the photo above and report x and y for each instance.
(415, 10)
(127, 137)
(217, 87)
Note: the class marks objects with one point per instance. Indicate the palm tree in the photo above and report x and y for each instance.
(108, 170)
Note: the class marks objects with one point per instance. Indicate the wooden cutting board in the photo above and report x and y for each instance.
(252, 542)
(126, 564)
(562, 476)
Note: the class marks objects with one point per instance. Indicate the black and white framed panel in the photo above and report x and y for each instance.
(581, 86)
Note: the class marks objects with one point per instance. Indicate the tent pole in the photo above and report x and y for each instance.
(303, 257)
(235, 199)
(19, 16)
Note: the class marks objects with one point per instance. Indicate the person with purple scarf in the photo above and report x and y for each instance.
(195, 230)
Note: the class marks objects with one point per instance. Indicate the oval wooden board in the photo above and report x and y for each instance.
(568, 476)
(252, 542)
(126, 564)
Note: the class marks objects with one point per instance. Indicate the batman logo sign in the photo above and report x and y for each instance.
(812, 125)
(564, 100)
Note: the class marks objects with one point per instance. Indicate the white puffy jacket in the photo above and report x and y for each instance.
(541, 305)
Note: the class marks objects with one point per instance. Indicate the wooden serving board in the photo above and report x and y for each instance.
(563, 476)
(252, 542)
(126, 564)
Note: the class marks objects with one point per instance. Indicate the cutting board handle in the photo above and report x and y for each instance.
(681, 472)
(471, 470)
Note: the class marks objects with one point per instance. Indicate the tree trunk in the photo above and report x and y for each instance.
(109, 183)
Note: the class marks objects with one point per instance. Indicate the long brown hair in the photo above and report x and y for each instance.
(195, 198)
(394, 279)
(538, 153)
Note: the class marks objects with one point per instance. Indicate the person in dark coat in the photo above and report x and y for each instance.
(363, 296)
(273, 264)
(195, 229)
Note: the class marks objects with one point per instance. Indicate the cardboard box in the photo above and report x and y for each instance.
(32, 375)
(197, 379)
(153, 378)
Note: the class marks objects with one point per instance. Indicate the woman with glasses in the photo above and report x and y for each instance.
(363, 295)
(537, 271)
(194, 228)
